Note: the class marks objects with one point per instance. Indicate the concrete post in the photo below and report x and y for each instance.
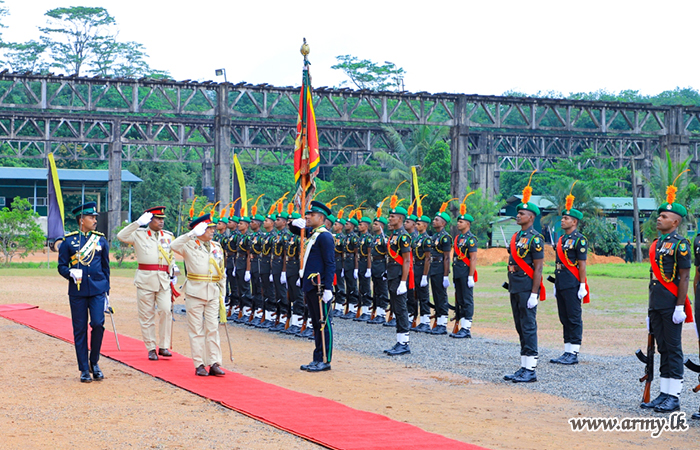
(676, 140)
(459, 149)
(115, 181)
(484, 163)
(222, 149)
(206, 170)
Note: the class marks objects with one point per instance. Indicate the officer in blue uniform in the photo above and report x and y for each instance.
(83, 260)
(319, 262)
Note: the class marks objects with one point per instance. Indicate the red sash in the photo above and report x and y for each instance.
(529, 271)
(672, 288)
(464, 258)
(572, 269)
(399, 259)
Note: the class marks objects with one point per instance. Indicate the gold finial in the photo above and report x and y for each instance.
(305, 49)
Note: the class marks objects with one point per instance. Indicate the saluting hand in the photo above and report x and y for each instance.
(145, 219)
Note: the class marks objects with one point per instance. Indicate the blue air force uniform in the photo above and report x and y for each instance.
(88, 252)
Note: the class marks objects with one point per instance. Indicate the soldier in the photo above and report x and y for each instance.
(464, 277)
(377, 263)
(339, 240)
(221, 223)
(351, 266)
(696, 282)
(410, 226)
(525, 285)
(268, 292)
(155, 277)
(399, 276)
(670, 261)
(364, 270)
(440, 248)
(83, 260)
(204, 288)
(242, 270)
(253, 273)
(230, 246)
(316, 279)
(296, 297)
(421, 269)
(279, 269)
(570, 286)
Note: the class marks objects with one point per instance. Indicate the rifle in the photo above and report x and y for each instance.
(695, 368)
(648, 361)
(457, 309)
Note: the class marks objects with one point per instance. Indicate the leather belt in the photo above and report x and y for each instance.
(363, 258)
(436, 259)
(277, 259)
(158, 267)
(514, 269)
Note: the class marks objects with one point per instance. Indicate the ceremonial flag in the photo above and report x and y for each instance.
(306, 151)
(415, 193)
(240, 208)
(55, 224)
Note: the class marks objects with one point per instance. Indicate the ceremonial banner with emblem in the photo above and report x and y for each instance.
(306, 152)
(55, 223)
(240, 208)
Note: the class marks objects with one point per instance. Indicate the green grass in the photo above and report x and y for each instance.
(42, 271)
(54, 265)
(634, 271)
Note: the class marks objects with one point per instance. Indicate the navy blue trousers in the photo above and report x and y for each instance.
(79, 308)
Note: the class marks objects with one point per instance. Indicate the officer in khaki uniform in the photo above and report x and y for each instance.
(205, 285)
(156, 273)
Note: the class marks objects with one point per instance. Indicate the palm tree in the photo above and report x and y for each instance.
(584, 202)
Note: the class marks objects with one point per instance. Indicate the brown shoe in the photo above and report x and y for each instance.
(152, 355)
(216, 370)
(164, 352)
(201, 371)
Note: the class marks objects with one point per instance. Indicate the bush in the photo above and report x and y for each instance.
(19, 232)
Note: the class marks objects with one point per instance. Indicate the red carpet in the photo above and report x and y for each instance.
(323, 421)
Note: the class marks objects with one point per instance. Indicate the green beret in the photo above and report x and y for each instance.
(412, 217)
(467, 217)
(400, 210)
(214, 220)
(529, 206)
(223, 219)
(245, 219)
(425, 219)
(341, 221)
(366, 219)
(283, 215)
(331, 217)
(234, 219)
(272, 217)
(444, 216)
(382, 220)
(258, 217)
(296, 215)
(674, 208)
(353, 221)
(575, 213)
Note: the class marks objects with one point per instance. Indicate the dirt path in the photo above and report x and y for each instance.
(44, 405)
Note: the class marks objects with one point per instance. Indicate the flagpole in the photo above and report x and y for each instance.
(48, 209)
(304, 141)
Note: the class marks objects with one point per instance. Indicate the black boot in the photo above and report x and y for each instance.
(654, 403)
(671, 404)
(526, 376)
(517, 373)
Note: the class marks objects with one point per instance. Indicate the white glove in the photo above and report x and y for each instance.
(107, 309)
(445, 282)
(342, 273)
(283, 278)
(234, 271)
(424, 281)
(354, 274)
(554, 291)
(582, 292)
(368, 273)
(298, 283)
(648, 330)
(173, 280)
(76, 274)
(199, 229)
(402, 289)
(271, 279)
(246, 277)
(679, 314)
(299, 223)
(327, 295)
(532, 301)
(144, 219)
(470, 282)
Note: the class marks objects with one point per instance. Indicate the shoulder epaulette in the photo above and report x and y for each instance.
(168, 232)
(97, 233)
(72, 233)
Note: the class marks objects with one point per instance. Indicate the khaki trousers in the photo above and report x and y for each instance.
(203, 325)
(147, 303)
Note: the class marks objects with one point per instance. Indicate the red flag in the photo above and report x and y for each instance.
(306, 152)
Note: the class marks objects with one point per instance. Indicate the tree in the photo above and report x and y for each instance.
(559, 190)
(122, 59)
(20, 234)
(434, 179)
(366, 74)
(119, 249)
(27, 56)
(484, 212)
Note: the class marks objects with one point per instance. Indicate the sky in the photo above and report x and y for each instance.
(483, 47)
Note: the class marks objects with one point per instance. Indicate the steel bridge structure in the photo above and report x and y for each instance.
(116, 120)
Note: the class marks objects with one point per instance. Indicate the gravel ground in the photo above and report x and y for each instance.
(612, 382)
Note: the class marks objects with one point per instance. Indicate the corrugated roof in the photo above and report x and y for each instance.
(28, 173)
(609, 203)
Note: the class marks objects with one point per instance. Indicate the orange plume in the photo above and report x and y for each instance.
(419, 208)
(254, 209)
(399, 202)
(379, 209)
(290, 208)
(223, 213)
(445, 204)
(672, 189)
(527, 191)
(233, 207)
(570, 198)
(244, 208)
(213, 209)
(201, 213)
(330, 204)
(352, 214)
(192, 207)
(463, 206)
(358, 214)
(410, 207)
(342, 211)
(394, 198)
